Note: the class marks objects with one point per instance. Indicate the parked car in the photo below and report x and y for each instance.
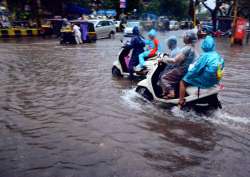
(207, 27)
(4, 24)
(4, 18)
(128, 31)
(52, 27)
(104, 28)
(186, 24)
(174, 25)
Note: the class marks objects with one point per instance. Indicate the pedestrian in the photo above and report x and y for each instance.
(77, 34)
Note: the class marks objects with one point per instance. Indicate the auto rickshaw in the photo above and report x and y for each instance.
(52, 27)
(46, 29)
(87, 31)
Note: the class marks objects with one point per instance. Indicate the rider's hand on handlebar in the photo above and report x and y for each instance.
(160, 55)
(160, 59)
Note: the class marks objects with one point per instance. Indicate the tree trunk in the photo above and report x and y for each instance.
(214, 20)
(213, 13)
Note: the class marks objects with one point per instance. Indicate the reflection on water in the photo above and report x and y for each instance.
(62, 114)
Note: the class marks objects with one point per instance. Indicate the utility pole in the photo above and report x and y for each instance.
(38, 13)
(235, 7)
(195, 20)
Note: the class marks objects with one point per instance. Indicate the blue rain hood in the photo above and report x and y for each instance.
(208, 44)
(152, 32)
(205, 71)
(172, 42)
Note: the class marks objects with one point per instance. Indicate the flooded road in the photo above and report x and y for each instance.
(63, 115)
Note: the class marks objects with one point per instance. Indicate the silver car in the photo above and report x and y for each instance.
(174, 25)
(104, 28)
(128, 31)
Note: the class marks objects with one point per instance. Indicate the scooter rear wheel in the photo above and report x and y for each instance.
(116, 72)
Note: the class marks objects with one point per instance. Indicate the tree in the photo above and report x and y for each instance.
(176, 8)
(153, 6)
(214, 12)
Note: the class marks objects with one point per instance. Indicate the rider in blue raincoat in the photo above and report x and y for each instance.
(206, 72)
(137, 44)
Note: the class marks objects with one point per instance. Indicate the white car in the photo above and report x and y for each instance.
(104, 28)
(128, 31)
(174, 25)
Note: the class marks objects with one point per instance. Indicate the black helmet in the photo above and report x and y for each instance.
(136, 31)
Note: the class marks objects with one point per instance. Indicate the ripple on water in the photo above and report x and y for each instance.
(62, 114)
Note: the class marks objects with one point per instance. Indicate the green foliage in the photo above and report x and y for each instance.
(154, 7)
(111, 4)
(176, 8)
(134, 4)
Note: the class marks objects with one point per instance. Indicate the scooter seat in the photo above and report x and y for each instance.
(152, 58)
(196, 91)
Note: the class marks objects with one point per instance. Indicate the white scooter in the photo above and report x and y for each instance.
(197, 97)
(120, 66)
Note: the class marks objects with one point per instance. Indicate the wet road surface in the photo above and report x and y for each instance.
(63, 115)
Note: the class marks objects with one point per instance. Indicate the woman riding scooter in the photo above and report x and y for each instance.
(170, 80)
(137, 44)
(206, 72)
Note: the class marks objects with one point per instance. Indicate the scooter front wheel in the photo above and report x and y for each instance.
(143, 91)
(214, 102)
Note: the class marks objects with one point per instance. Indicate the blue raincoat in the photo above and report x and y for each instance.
(152, 48)
(209, 65)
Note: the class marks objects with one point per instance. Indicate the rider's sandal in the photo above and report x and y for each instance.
(182, 103)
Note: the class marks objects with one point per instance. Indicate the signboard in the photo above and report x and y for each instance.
(109, 12)
(122, 4)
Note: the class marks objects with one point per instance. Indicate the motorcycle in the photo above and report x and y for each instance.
(150, 90)
(121, 65)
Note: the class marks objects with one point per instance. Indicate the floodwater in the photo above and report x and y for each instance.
(63, 115)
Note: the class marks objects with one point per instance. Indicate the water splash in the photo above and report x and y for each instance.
(130, 97)
(219, 117)
(138, 103)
